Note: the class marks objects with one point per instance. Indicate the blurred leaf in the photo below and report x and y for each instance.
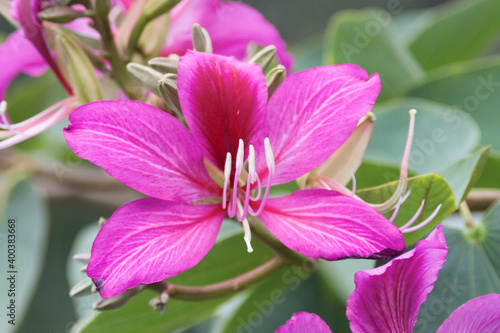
(228, 258)
(365, 38)
(443, 134)
(473, 87)
(432, 188)
(472, 269)
(31, 231)
(457, 31)
(308, 53)
(490, 177)
(463, 175)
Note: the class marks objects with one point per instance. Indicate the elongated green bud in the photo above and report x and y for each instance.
(168, 91)
(264, 57)
(166, 65)
(60, 14)
(274, 78)
(76, 67)
(147, 77)
(201, 39)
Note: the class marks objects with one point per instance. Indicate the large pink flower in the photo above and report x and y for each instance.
(248, 143)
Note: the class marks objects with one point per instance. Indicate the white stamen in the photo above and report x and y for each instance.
(247, 235)
(414, 218)
(251, 164)
(239, 157)
(269, 155)
(3, 107)
(398, 205)
(5, 120)
(227, 175)
(424, 223)
(353, 192)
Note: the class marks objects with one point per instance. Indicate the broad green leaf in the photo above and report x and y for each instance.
(458, 31)
(432, 188)
(473, 87)
(25, 206)
(228, 258)
(308, 53)
(443, 134)
(463, 175)
(490, 177)
(365, 38)
(472, 269)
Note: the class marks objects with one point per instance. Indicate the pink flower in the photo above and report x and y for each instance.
(247, 143)
(387, 299)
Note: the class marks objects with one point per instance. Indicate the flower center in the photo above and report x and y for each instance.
(241, 193)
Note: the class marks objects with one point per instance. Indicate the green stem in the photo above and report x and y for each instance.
(118, 66)
(221, 289)
(464, 210)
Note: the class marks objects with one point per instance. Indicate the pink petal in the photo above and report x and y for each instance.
(388, 298)
(223, 100)
(231, 26)
(312, 113)
(143, 147)
(304, 322)
(325, 224)
(148, 240)
(479, 315)
(26, 12)
(17, 55)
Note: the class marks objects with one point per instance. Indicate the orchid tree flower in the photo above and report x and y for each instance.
(238, 145)
(388, 298)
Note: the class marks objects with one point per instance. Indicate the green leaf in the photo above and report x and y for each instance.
(490, 177)
(458, 31)
(365, 38)
(439, 140)
(473, 87)
(432, 188)
(25, 206)
(472, 269)
(463, 175)
(227, 259)
(371, 174)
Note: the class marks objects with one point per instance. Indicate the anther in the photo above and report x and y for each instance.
(353, 192)
(227, 175)
(251, 164)
(247, 235)
(269, 155)
(5, 119)
(239, 157)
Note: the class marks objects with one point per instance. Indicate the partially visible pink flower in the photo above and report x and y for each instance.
(231, 25)
(387, 298)
(250, 144)
(304, 322)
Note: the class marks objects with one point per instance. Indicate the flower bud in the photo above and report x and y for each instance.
(264, 57)
(274, 78)
(168, 91)
(201, 39)
(165, 65)
(76, 67)
(60, 14)
(147, 77)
